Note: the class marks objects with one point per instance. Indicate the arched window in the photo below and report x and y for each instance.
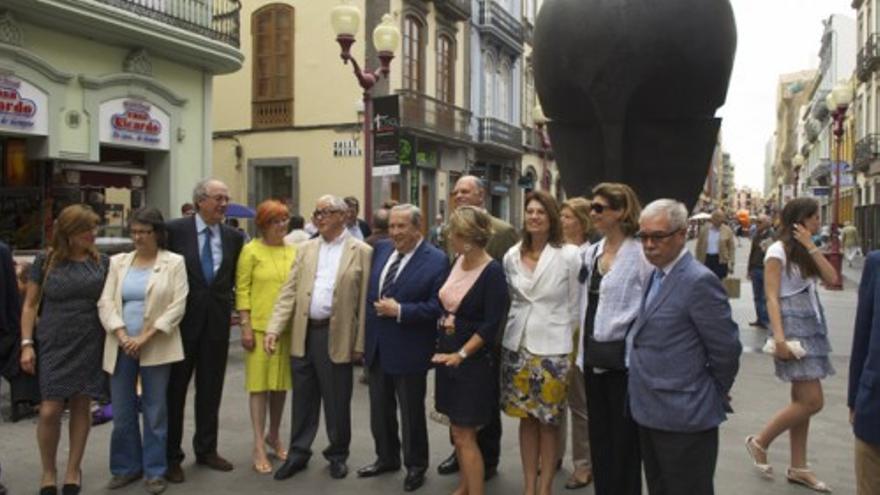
(413, 56)
(488, 85)
(504, 84)
(272, 32)
(446, 69)
(529, 97)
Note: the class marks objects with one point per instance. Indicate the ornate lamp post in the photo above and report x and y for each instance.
(837, 102)
(540, 121)
(345, 19)
(798, 162)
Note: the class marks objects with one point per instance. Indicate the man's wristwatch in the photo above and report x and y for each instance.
(462, 354)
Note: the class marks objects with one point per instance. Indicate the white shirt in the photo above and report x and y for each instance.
(216, 241)
(355, 231)
(792, 282)
(713, 240)
(296, 236)
(406, 257)
(329, 256)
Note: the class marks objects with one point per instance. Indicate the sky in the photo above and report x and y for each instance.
(773, 37)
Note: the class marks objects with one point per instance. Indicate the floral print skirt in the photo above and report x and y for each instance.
(534, 386)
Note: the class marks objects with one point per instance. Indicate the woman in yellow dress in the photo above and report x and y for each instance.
(263, 267)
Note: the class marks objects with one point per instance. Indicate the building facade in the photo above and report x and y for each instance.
(106, 103)
(866, 109)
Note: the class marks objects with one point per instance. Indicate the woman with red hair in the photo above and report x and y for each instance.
(262, 268)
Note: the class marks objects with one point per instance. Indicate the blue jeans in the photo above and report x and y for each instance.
(128, 454)
(757, 276)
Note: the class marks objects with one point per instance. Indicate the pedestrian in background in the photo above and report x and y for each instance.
(614, 276)
(474, 299)
(542, 276)
(357, 227)
(380, 226)
(297, 233)
(863, 397)
(761, 239)
(793, 267)
(574, 216)
(64, 287)
(684, 356)
(435, 236)
(262, 268)
(716, 246)
(852, 244)
(141, 308)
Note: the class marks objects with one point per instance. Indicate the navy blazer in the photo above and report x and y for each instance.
(864, 362)
(208, 307)
(685, 352)
(406, 347)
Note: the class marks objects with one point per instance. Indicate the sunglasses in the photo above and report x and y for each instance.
(655, 236)
(599, 208)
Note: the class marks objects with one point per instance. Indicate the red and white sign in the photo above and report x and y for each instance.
(23, 107)
(134, 124)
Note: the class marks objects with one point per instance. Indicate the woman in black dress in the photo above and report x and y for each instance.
(64, 287)
(474, 299)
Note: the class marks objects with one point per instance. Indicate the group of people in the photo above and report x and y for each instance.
(599, 312)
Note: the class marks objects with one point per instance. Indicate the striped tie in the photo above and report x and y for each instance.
(391, 276)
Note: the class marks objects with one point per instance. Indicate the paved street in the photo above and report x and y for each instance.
(756, 396)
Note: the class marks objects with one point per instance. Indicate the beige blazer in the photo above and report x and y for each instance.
(349, 299)
(726, 245)
(164, 308)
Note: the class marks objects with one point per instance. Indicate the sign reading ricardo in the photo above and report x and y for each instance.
(134, 123)
(23, 107)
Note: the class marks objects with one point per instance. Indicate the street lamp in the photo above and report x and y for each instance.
(798, 162)
(837, 101)
(345, 19)
(540, 121)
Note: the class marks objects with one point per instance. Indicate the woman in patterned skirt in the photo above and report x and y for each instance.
(793, 266)
(263, 267)
(64, 288)
(542, 274)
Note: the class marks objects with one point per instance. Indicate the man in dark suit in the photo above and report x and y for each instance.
(10, 311)
(357, 227)
(863, 398)
(211, 251)
(402, 312)
(684, 356)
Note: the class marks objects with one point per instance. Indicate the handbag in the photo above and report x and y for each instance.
(732, 286)
(795, 346)
(608, 355)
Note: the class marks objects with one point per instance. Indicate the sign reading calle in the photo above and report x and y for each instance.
(134, 124)
(23, 107)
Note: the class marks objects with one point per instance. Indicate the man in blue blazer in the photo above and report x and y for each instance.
(863, 398)
(683, 358)
(401, 329)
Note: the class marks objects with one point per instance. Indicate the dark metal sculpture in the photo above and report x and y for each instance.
(631, 88)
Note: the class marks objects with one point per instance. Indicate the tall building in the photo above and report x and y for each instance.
(792, 94)
(106, 102)
(866, 160)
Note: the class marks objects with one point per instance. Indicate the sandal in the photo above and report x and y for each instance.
(574, 483)
(754, 451)
(805, 477)
(277, 450)
(263, 467)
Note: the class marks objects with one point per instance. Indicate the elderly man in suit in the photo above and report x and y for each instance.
(716, 245)
(684, 354)
(211, 251)
(325, 298)
(470, 191)
(863, 398)
(402, 312)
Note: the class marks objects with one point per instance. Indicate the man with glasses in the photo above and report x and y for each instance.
(325, 299)
(211, 251)
(683, 357)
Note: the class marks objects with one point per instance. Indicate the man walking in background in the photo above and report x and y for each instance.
(762, 238)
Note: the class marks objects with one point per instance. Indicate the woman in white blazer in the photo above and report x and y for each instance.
(542, 275)
(143, 301)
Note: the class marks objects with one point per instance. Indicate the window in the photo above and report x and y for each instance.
(529, 96)
(413, 58)
(504, 81)
(272, 31)
(488, 85)
(445, 69)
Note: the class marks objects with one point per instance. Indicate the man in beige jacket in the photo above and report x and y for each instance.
(324, 298)
(716, 245)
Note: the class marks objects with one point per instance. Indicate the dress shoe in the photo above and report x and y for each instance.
(490, 472)
(415, 478)
(449, 466)
(375, 469)
(214, 462)
(289, 468)
(174, 473)
(338, 470)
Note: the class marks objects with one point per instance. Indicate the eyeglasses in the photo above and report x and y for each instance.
(655, 236)
(598, 207)
(220, 198)
(323, 212)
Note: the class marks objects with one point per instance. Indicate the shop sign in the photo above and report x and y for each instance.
(23, 107)
(134, 124)
(386, 130)
(383, 170)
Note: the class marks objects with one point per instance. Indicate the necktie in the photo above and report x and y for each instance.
(391, 275)
(656, 282)
(207, 258)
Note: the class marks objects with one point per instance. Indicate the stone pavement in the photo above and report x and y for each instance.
(756, 396)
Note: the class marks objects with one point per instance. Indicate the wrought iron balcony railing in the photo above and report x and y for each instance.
(495, 18)
(214, 19)
(499, 133)
(422, 112)
(866, 152)
(272, 113)
(459, 10)
(868, 58)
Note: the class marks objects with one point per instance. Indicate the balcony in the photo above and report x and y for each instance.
(269, 114)
(868, 58)
(501, 135)
(459, 10)
(494, 20)
(217, 19)
(867, 152)
(429, 115)
(856, 4)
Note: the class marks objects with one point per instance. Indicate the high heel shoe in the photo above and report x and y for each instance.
(754, 450)
(806, 477)
(279, 452)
